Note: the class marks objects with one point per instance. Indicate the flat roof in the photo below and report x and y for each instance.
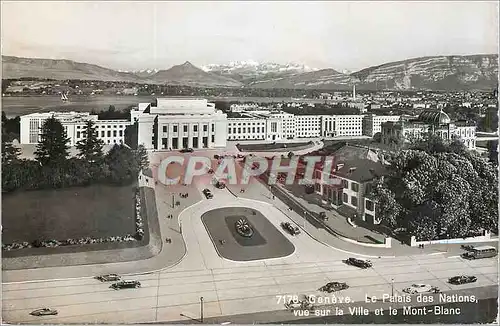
(484, 248)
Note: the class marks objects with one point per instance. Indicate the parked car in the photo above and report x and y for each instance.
(333, 287)
(361, 263)
(187, 150)
(208, 193)
(421, 288)
(220, 185)
(126, 285)
(44, 312)
(303, 304)
(108, 278)
(293, 230)
(462, 279)
(467, 247)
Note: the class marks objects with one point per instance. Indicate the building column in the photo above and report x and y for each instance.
(190, 135)
(169, 136)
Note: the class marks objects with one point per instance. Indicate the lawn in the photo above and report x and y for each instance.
(95, 211)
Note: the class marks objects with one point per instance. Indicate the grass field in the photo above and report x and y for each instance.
(94, 211)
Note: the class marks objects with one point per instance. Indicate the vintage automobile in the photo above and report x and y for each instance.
(125, 285)
(361, 263)
(44, 312)
(303, 304)
(108, 278)
(208, 193)
(220, 185)
(333, 287)
(421, 288)
(287, 226)
(187, 150)
(462, 279)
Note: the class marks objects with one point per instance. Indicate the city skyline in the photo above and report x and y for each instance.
(135, 36)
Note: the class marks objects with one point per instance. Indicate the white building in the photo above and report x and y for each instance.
(110, 131)
(176, 123)
(372, 123)
(348, 125)
(307, 126)
(431, 121)
(246, 128)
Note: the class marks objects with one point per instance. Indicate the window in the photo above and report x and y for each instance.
(354, 187)
(229, 130)
(77, 134)
(213, 127)
(114, 133)
(205, 127)
(345, 198)
(185, 127)
(345, 184)
(109, 133)
(213, 139)
(369, 205)
(121, 133)
(102, 133)
(354, 201)
(165, 128)
(175, 128)
(195, 128)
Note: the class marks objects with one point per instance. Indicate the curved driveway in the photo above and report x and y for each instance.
(227, 287)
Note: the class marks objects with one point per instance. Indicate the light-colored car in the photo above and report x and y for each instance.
(421, 288)
(44, 312)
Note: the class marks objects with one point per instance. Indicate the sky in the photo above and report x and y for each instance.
(340, 35)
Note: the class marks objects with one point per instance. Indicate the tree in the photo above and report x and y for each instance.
(9, 152)
(141, 157)
(439, 190)
(52, 149)
(123, 165)
(90, 147)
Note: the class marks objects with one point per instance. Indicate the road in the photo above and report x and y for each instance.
(227, 287)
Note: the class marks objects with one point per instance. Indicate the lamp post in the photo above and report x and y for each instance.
(392, 287)
(173, 201)
(201, 309)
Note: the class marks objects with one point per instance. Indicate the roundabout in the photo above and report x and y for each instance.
(245, 234)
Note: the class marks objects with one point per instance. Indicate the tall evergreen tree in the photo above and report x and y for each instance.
(52, 149)
(141, 157)
(90, 146)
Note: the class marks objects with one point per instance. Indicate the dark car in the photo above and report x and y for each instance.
(293, 230)
(361, 263)
(333, 287)
(220, 185)
(108, 278)
(44, 312)
(187, 150)
(462, 279)
(208, 193)
(126, 285)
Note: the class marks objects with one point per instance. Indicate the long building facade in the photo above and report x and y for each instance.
(177, 123)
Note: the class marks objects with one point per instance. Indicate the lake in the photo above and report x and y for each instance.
(20, 105)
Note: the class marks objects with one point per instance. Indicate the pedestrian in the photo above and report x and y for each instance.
(273, 197)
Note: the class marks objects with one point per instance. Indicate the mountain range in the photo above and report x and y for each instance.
(431, 73)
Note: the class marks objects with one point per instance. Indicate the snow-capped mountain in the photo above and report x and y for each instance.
(250, 70)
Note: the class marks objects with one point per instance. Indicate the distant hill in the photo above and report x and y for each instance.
(436, 73)
(188, 74)
(14, 67)
(432, 73)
